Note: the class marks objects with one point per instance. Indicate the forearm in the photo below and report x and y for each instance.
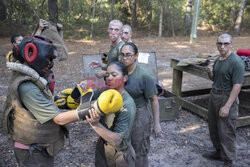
(233, 95)
(209, 70)
(66, 117)
(155, 109)
(61, 33)
(38, 32)
(100, 73)
(109, 136)
(103, 65)
(210, 76)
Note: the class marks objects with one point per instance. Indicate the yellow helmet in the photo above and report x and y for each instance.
(110, 101)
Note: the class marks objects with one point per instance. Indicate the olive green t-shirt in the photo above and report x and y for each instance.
(34, 101)
(228, 72)
(124, 118)
(141, 86)
(115, 52)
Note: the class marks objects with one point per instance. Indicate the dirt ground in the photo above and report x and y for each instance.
(184, 139)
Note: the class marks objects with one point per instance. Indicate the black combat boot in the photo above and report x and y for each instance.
(228, 163)
(214, 155)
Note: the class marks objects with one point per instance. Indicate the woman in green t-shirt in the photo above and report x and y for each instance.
(114, 145)
(141, 86)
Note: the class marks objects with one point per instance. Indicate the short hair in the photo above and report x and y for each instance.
(132, 45)
(116, 21)
(225, 35)
(13, 38)
(126, 26)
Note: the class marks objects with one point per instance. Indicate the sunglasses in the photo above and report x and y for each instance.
(225, 44)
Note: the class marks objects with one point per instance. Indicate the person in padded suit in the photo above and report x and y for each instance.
(31, 119)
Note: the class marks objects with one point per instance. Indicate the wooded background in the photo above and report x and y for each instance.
(89, 18)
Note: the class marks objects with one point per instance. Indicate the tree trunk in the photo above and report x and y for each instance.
(111, 10)
(193, 35)
(149, 16)
(187, 17)
(172, 23)
(3, 10)
(133, 11)
(92, 22)
(239, 19)
(53, 10)
(160, 21)
(42, 7)
(65, 6)
(10, 9)
(170, 13)
(233, 14)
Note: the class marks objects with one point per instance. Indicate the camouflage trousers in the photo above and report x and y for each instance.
(222, 129)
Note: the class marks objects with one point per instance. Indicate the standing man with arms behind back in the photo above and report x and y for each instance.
(227, 76)
(114, 31)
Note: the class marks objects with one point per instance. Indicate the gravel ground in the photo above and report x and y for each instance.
(184, 139)
(182, 143)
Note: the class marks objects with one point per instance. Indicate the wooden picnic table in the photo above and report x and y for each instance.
(199, 71)
(195, 70)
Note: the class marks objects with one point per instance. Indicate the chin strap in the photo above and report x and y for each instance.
(40, 81)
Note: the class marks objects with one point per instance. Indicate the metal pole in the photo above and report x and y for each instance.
(193, 35)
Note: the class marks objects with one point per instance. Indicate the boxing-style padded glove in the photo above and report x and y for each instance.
(110, 101)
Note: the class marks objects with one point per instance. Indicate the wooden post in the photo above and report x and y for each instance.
(193, 35)
(177, 82)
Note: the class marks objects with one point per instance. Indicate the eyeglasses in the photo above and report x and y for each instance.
(126, 56)
(219, 44)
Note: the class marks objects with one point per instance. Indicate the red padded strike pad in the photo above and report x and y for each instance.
(243, 52)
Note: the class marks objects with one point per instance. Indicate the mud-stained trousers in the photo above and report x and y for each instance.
(222, 129)
(37, 158)
(107, 156)
(140, 137)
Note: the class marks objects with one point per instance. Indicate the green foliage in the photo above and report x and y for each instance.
(76, 15)
(217, 14)
(177, 12)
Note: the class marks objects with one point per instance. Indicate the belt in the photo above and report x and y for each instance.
(227, 92)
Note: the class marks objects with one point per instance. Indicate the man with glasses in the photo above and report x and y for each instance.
(227, 75)
(114, 31)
